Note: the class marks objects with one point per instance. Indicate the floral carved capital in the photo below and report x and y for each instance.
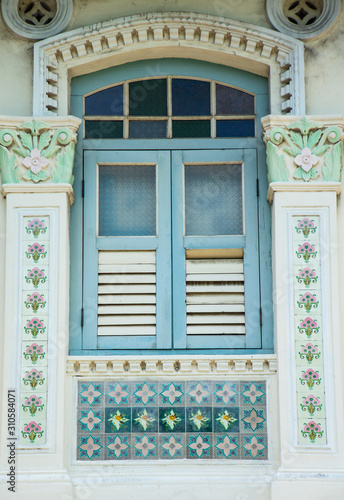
(303, 149)
(35, 150)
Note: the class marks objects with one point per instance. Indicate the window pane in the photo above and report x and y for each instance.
(235, 128)
(191, 128)
(103, 129)
(147, 129)
(127, 200)
(231, 101)
(190, 97)
(213, 200)
(148, 98)
(106, 102)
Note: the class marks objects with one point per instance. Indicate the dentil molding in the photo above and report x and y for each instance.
(167, 34)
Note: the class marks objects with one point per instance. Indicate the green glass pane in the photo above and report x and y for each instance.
(148, 97)
(191, 128)
(103, 129)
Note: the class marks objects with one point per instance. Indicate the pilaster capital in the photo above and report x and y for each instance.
(37, 151)
(302, 150)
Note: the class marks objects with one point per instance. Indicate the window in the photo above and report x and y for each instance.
(171, 254)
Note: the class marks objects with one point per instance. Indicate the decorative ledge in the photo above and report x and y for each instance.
(293, 187)
(34, 188)
(171, 365)
(304, 149)
(36, 150)
(168, 34)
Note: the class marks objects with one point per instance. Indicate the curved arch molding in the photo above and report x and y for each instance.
(198, 36)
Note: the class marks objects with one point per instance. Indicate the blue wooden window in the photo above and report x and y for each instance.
(172, 224)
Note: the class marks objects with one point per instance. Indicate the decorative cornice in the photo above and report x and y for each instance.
(303, 149)
(36, 150)
(293, 187)
(38, 189)
(168, 34)
(170, 365)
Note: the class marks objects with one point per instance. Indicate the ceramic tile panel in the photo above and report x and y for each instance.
(171, 420)
(34, 345)
(309, 356)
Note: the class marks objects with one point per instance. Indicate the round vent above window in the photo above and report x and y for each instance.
(302, 18)
(37, 19)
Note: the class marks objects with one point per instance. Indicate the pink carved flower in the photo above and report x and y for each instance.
(35, 162)
(306, 160)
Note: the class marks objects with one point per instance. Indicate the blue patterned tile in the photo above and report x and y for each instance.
(199, 446)
(226, 446)
(172, 446)
(226, 419)
(253, 419)
(91, 420)
(199, 419)
(172, 419)
(253, 393)
(144, 446)
(118, 447)
(117, 420)
(171, 393)
(254, 447)
(198, 393)
(91, 393)
(90, 447)
(145, 419)
(144, 393)
(226, 393)
(117, 393)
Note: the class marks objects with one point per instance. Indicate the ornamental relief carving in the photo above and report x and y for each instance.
(34, 151)
(303, 149)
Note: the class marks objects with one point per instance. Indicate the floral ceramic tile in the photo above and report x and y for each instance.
(32, 431)
(311, 406)
(312, 431)
(309, 353)
(36, 277)
(254, 446)
(35, 303)
(36, 228)
(34, 353)
(35, 253)
(169, 420)
(308, 327)
(34, 380)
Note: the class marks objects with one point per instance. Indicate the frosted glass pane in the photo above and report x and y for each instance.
(127, 200)
(213, 200)
(147, 129)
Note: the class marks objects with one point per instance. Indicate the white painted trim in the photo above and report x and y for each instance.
(38, 189)
(330, 11)
(148, 36)
(9, 10)
(180, 367)
(302, 187)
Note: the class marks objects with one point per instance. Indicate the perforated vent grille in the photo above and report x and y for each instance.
(126, 293)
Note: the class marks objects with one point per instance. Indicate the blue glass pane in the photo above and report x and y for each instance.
(108, 102)
(103, 129)
(127, 200)
(148, 97)
(235, 128)
(191, 128)
(213, 200)
(147, 129)
(190, 97)
(231, 101)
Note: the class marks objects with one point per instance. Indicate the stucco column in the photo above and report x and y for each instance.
(304, 157)
(36, 162)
